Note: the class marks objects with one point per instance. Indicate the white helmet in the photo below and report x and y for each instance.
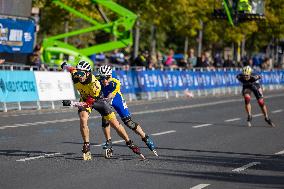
(84, 65)
(105, 70)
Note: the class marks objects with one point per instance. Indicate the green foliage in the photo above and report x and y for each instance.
(174, 21)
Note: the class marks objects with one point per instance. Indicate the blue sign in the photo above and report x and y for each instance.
(17, 86)
(157, 80)
(16, 35)
(125, 78)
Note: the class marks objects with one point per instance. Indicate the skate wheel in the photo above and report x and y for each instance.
(273, 125)
(249, 124)
(87, 156)
(155, 152)
(142, 156)
(108, 153)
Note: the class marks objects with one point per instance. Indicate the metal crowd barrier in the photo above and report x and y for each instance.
(39, 105)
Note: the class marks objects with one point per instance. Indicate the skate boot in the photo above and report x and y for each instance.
(268, 120)
(135, 149)
(249, 120)
(150, 144)
(108, 149)
(86, 151)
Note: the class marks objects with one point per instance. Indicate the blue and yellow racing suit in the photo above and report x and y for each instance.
(118, 102)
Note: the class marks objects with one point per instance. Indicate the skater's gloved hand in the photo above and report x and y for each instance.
(63, 64)
(90, 101)
(256, 77)
(108, 100)
(66, 102)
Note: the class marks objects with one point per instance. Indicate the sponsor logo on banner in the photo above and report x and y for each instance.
(17, 86)
(54, 86)
(157, 80)
(16, 35)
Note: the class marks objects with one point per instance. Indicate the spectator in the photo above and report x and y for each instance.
(218, 61)
(2, 61)
(141, 59)
(244, 60)
(192, 60)
(35, 59)
(209, 58)
(170, 61)
(160, 60)
(267, 64)
(203, 61)
(249, 63)
(183, 63)
(153, 62)
(118, 58)
(100, 58)
(229, 62)
(126, 64)
(257, 61)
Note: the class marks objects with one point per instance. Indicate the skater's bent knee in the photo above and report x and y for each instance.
(261, 102)
(130, 123)
(247, 99)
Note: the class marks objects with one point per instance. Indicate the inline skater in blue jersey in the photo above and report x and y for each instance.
(111, 91)
(250, 84)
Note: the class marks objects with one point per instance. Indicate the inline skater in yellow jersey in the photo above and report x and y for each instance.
(91, 97)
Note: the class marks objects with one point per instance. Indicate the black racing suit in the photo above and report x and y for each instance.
(251, 84)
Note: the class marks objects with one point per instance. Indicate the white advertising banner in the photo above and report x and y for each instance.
(54, 86)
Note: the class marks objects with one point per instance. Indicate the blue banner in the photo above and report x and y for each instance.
(125, 78)
(157, 80)
(17, 86)
(16, 35)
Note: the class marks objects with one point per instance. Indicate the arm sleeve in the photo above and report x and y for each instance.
(71, 69)
(238, 77)
(116, 86)
(256, 77)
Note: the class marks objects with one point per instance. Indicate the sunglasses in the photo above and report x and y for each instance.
(80, 73)
(105, 77)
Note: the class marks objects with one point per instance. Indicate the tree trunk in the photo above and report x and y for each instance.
(136, 39)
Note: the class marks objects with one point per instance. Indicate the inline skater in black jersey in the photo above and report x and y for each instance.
(251, 83)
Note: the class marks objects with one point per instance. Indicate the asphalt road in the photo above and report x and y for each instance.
(202, 143)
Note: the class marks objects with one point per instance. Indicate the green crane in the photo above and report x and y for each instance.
(237, 11)
(55, 51)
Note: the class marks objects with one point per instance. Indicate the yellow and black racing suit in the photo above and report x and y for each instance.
(91, 89)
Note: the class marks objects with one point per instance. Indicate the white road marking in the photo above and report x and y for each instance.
(233, 119)
(162, 133)
(38, 157)
(118, 141)
(135, 113)
(203, 125)
(277, 111)
(257, 115)
(188, 106)
(279, 153)
(245, 166)
(154, 134)
(38, 113)
(43, 122)
(114, 142)
(200, 186)
(98, 144)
